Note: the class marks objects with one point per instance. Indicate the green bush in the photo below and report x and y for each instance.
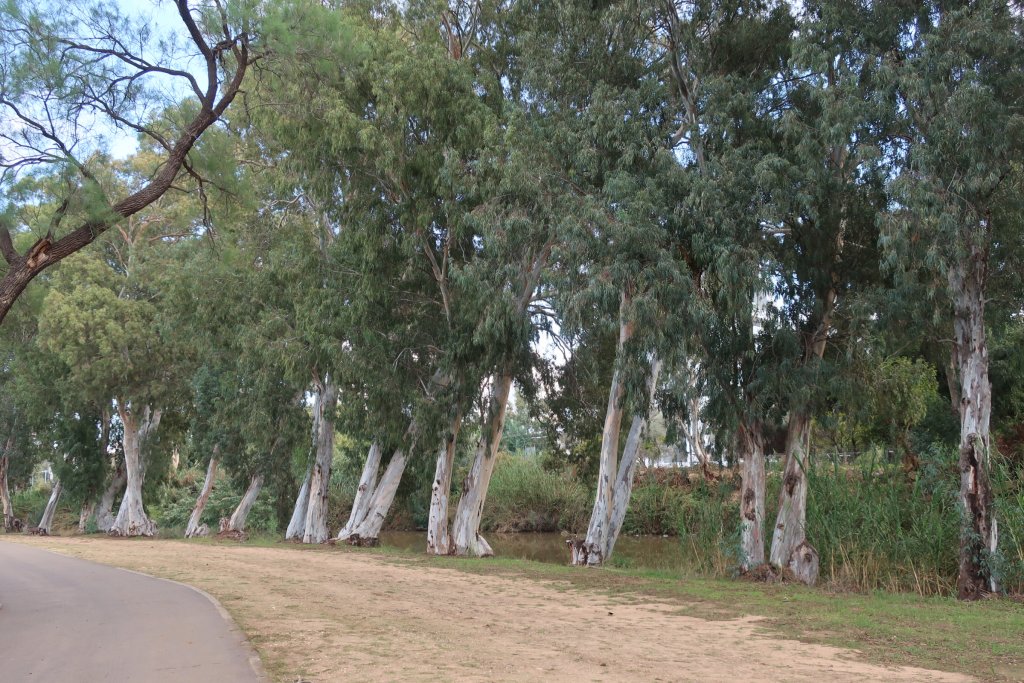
(523, 496)
(177, 496)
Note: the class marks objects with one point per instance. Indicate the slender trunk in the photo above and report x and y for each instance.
(194, 528)
(624, 482)
(368, 531)
(46, 522)
(612, 499)
(131, 517)
(84, 515)
(316, 513)
(297, 524)
(438, 539)
(364, 492)
(466, 527)
(591, 550)
(751, 444)
(104, 510)
(241, 513)
(5, 492)
(979, 536)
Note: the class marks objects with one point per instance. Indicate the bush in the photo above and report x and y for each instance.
(177, 496)
(523, 496)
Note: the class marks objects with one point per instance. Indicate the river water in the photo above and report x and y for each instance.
(642, 552)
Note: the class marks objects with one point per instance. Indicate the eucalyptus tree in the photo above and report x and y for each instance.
(957, 72)
(110, 330)
(67, 70)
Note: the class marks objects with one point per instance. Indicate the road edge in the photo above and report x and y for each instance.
(252, 656)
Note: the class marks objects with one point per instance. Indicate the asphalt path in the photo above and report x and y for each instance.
(65, 620)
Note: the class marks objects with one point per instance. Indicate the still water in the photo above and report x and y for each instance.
(642, 552)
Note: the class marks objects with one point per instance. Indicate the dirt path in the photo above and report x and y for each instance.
(333, 615)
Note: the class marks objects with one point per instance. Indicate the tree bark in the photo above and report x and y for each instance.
(5, 492)
(46, 522)
(751, 443)
(615, 476)
(241, 513)
(297, 524)
(323, 428)
(104, 509)
(438, 539)
(364, 492)
(790, 523)
(85, 514)
(194, 528)
(979, 536)
(466, 527)
(368, 530)
(131, 517)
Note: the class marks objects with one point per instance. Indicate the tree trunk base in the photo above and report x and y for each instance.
(363, 542)
(583, 554)
(803, 563)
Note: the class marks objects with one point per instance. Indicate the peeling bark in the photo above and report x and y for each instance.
(466, 536)
(364, 492)
(131, 517)
(297, 524)
(751, 443)
(368, 530)
(439, 541)
(46, 521)
(84, 515)
(315, 530)
(790, 523)
(194, 528)
(104, 509)
(241, 513)
(979, 536)
(615, 476)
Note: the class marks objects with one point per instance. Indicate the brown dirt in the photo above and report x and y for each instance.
(334, 615)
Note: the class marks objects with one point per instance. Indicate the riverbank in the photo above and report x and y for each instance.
(336, 613)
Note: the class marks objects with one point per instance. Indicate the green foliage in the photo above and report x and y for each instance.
(525, 497)
(176, 498)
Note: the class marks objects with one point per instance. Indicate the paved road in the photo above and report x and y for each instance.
(65, 620)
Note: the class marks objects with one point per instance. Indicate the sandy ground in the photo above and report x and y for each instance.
(345, 616)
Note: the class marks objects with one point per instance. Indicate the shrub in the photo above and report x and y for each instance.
(523, 496)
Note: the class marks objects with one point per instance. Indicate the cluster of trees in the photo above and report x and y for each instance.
(376, 218)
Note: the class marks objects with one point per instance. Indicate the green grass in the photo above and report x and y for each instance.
(984, 639)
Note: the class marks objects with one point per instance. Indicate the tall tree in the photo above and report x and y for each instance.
(959, 78)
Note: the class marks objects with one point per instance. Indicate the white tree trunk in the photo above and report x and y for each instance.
(194, 527)
(131, 517)
(104, 509)
(297, 524)
(84, 515)
(979, 536)
(46, 522)
(323, 426)
(364, 492)
(368, 530)
(438, 539)
(241, 513)
(624, 482)
(5, 492)
(752, 495)
(612, 499)
(790, 533)
(466, 536)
